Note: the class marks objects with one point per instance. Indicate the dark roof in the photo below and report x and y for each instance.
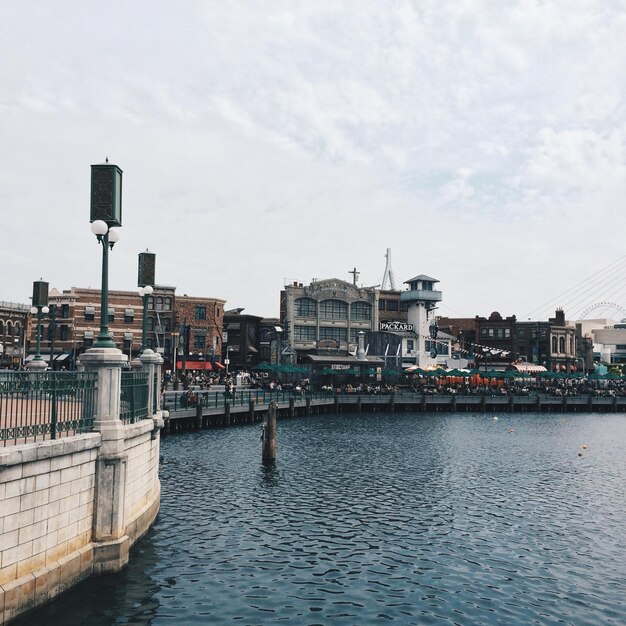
(348, 360)
(421, 277)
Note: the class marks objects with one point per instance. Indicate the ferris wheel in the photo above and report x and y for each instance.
(609, 310)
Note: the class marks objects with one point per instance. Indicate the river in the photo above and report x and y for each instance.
(429, 518)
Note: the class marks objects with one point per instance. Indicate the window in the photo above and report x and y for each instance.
(381, 305)
(392, 305)
(200, 312)
(65, 332)
(507, 332)
(491, 332)
(90, 313)
(129, 316)
(360, 311)
(305, 307)
(440, 346)
(354, 335)
(88, 341)
(199, 342)
(333, 310)
(500, 333)
(562, 345)
(9, 329)
(338, 334)
(65, 311)
(404, 306)
(17, 329)
(150, 323)
(521, 332)
(1, 327)
(111, 314)
(128, 340)
(554, 344)
(159, 303)
(304, 333)
(150, 303)
(483, 332)
(167, 304)
(410, 345)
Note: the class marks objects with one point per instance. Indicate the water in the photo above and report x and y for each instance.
(374, 519)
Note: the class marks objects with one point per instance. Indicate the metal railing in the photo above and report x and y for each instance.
(134, 397)
(35, 406)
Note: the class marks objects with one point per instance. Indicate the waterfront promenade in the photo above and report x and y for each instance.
(215, 408)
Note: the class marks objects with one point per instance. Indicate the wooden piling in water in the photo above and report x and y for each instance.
(269, 434)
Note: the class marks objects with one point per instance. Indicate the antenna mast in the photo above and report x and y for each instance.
(389, 281)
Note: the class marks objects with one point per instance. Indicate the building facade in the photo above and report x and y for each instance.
(326, 316)
(14, 327)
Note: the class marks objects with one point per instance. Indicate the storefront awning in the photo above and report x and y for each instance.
(195, 365)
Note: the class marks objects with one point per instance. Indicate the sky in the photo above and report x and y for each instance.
(265, 142)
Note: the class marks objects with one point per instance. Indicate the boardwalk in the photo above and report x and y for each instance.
(250, 406)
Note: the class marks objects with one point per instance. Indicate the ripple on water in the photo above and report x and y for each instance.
(408, 519)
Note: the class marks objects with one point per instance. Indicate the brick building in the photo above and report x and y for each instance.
(14, 323)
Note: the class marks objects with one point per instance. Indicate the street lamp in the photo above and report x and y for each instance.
(145, 292)
(108, 237)
(40, 311)
(106, 213)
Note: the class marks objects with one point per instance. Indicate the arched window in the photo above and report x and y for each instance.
(1, 327)
(334, 310)
(159, 303)
(150, 323)
(17, 329)
(554, 345)
(9, 329)
(562, 345)
(361, 311)
(305, 307)
(168, 304)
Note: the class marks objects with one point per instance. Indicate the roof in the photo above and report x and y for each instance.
(527, 367)
(421, 277)
(348, 360)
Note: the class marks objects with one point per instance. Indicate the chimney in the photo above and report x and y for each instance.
(360, 351)
(560, 317)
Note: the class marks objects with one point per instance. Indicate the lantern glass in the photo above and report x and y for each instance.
(106, 194)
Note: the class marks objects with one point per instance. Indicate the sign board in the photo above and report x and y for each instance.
(396, 327)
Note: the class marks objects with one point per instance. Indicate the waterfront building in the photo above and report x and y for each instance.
(73, 324)
(421, 298)
(242, 335)
(325, 317)
(199, 324)
(609, 343)
(14, 327)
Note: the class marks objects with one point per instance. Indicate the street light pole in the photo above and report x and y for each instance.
(106, 213)
(108, 238)
(145, 292)
(40, 311)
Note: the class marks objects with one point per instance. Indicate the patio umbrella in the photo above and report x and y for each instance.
(264, 366)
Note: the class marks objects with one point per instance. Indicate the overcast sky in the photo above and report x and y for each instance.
(484, 142)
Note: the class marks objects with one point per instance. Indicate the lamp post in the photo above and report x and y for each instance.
(145, 293)
(108, 237)
(40, 311)
(106, 213)
(39, 308)
(52, 327)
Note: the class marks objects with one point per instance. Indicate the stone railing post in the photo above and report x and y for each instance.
(150, 362)
(111, 545)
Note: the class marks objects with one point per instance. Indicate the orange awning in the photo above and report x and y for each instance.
(195, 365)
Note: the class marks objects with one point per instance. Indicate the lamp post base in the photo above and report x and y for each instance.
(37, 365)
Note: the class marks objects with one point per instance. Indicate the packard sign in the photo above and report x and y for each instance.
(395, 327)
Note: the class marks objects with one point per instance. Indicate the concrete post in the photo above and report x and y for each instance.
(111, 545)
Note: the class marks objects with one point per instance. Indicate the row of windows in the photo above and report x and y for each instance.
(10, 328)
(392, 305)
(309, 333)
(558, 344)
(498, 333)
(332, 309)
(160, 303)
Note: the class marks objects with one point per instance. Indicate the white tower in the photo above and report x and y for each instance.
(389, 281)
(422, 300)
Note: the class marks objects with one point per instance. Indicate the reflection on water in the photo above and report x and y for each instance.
(411, 519)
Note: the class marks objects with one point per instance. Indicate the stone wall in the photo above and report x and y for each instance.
(48, 499)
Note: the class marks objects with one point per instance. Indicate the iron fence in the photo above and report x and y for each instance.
(35, 406)
(134, 397)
